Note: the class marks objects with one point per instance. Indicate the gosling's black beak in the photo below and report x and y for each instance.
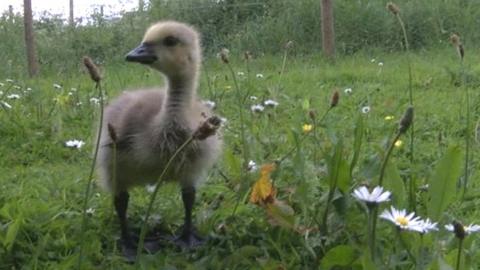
(143, 54)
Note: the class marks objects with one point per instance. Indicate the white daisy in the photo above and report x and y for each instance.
(376, 196)
(428, 226)
(259, 76)
(402, 220)
(29, 89)
(253, 98)
(90, 211)
(252, 166)
(257, 108)
(366, 109)
(468, 229)
(209, 104)
(240, 73)
(57, 86)
(1, 93)
(348, 91)
(74, 143)
(9, 80)
(17, 87)
(73, 89)
(2, 84)
(270, 103)
(380, 64)
(6, 105)
(13, 96)
(372, 60)
(95, 100)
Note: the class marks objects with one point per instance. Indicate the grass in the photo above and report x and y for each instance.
(42, 181)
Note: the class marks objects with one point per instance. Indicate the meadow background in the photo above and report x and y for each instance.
(321, 226)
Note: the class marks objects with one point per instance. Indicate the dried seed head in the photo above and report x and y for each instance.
(335, 98)
(406, 120)
(393, 8)
(112, 133)
(92, 69)
(223, 54)
(247, 56)
(312, 114)
(459, 230)
(455, 39)
(207, 128)
(289, 45)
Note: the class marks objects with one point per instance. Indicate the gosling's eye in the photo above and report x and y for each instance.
(170, 41)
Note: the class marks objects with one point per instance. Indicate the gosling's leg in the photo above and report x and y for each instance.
(128, 245)
(188, 236)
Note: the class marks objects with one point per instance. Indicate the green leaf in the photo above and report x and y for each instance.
(393, 182)
(11, 235)
(342, 255)
(281, 214)
(442, 184)
(357, 141)
(338, 169)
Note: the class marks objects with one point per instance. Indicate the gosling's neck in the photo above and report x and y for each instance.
(180, 95)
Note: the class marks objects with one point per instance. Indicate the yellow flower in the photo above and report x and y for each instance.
(263, 191)
(307, 128)
(389, 117)
(398, 143)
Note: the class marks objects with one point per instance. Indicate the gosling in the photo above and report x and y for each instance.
(149, 125)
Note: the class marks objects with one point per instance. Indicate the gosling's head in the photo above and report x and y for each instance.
(170, 47)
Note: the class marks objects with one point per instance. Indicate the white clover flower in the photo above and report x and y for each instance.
(366, 109)
(9, 80)
(376, 196)
(257, 108)
(90, 211)
(150, 188)
(74, 143)
(472, 228)
(380, 64)
(348, 91)
(427, 226)
(240, 73)
(6, 105)
(209, 104)
(95, 100)
(402, 220)
(57, 86)
(223, 121)
(259, 76)
(270, 103)
(253, 98)
(252, 166)
(13, 96)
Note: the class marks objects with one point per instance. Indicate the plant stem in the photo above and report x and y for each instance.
(90, 178)
(459, 254)
(404, 245)
(467, 130)
(371, 240)
(143, 231)
(412, 185)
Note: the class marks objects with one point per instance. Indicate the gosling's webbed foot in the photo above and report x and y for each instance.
(129, 246)
(189, 238)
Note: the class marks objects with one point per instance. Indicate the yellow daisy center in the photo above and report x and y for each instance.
(402, 221)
